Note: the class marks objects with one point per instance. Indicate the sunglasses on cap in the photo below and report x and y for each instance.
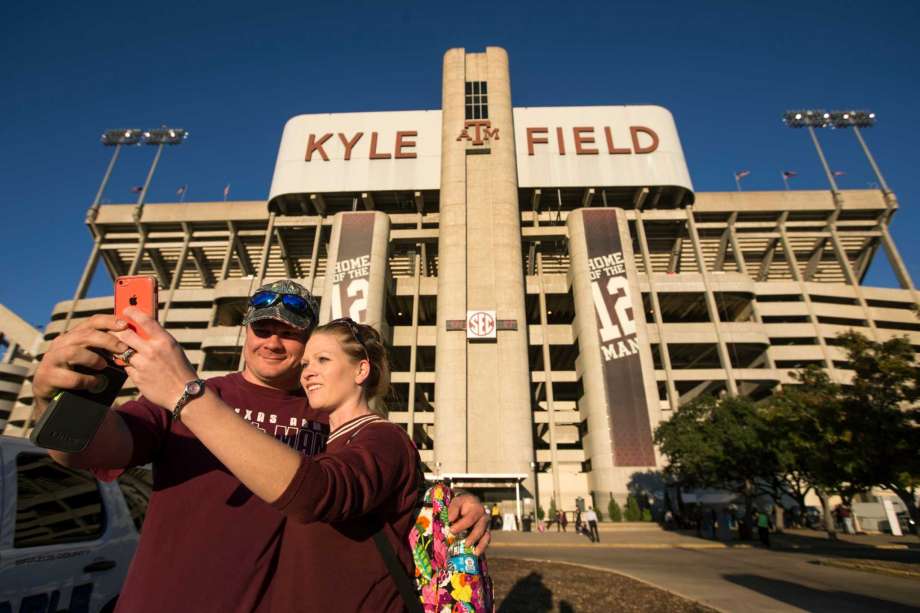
(292, 302)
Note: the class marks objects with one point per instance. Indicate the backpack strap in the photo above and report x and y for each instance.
(404, 584)
(396, 570)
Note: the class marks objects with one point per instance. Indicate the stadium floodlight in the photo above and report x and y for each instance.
(855, 119)
(128, 136)
(815, 118)
(165, 136)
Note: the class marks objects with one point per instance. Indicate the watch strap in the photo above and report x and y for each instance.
(187, 396)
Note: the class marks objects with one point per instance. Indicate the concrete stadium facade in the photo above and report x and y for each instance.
(551, 286)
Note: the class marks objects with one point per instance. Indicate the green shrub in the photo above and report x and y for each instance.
(613, 509)
(540, 513)
(646, 515)
(552, 509)
(632, 509)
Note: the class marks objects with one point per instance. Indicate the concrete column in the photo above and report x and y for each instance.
(413, 349)
(897, 264)
(851, 278)
(673, 397)
(498, 373)
(85, 279)
(266, 251)
(177, 275)
(602, 407)
(713, 309)
(483, 420)
(743, 269)
(355, 284)
(797, 276)
(548, 383)
(314, 254)
(450, 422)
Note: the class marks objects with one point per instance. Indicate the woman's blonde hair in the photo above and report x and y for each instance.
(363, 342)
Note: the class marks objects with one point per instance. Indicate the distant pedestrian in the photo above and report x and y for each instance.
(591, 519)
(763, 528)
(847, 516)
(563, 519)
(578, 521)
(496, 517)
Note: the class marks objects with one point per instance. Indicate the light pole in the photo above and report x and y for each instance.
(160, 136)
(112, 138)
(811, 119)
(857, 120)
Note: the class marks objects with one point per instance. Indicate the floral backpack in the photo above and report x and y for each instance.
(449, 576)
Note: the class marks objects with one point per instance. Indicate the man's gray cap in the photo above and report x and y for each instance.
(279, 312)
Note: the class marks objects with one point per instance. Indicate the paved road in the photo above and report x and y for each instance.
(730, 579)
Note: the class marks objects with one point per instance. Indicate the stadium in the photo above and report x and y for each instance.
(550, 284)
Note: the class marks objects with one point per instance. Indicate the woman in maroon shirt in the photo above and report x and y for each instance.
(366, 480)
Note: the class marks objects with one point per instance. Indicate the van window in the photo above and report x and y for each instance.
(55, 504)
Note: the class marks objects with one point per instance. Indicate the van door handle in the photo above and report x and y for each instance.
(99, 566)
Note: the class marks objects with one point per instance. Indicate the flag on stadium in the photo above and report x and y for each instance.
(137, 189)
(789, 173)
(839, 173)
(181, 190)
(741, 174)
(227, 191)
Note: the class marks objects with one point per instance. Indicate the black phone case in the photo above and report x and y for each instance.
(74, 416)
(69, 424)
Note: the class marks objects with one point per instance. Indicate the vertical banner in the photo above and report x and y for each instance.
(615, 308)
(351, 276)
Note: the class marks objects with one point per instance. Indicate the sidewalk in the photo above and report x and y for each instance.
(803, 571)
(650, 535)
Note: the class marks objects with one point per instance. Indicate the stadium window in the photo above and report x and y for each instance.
(477, 100)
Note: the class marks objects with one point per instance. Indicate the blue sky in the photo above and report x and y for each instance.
(233, 73)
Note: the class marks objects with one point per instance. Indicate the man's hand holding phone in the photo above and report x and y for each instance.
(80, 376)
(75, 348)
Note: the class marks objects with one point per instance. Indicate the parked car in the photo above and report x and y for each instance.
(66, 538)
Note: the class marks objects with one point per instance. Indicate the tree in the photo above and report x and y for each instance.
(646, 514)
(540, 513)
(552, 509)
(719, 443)
(883, 415)
(812, 440)
(632, 509)
(613, 510)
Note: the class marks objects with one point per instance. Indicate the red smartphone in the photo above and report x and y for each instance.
(139, 291)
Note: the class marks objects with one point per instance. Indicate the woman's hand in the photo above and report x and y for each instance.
(466, 512)
(159, 367)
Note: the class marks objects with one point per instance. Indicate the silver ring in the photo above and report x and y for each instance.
(126, 356)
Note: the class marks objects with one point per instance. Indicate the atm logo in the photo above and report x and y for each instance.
(482, 131)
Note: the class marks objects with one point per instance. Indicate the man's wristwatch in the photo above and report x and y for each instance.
(193, 389)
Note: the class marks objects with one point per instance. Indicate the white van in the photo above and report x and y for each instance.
(66, 539)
